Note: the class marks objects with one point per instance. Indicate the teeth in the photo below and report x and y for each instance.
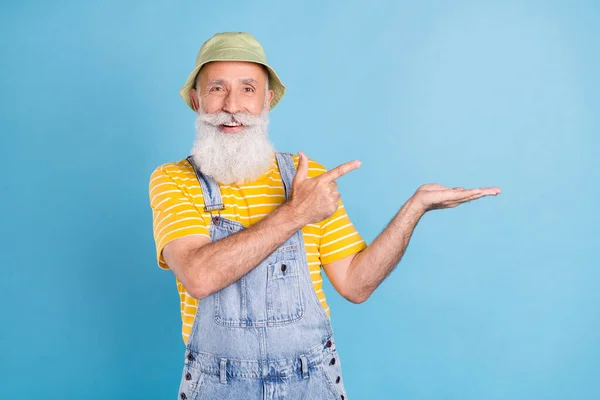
(231, 124)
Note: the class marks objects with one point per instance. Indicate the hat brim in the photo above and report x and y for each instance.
(275, 83)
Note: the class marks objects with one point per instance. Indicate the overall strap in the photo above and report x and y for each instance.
(210, 189)
(287, 169)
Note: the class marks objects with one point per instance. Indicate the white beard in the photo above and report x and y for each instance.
(233, 157)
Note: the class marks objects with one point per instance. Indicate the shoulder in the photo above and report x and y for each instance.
(174, 171)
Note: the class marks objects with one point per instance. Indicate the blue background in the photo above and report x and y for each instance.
(496, 299)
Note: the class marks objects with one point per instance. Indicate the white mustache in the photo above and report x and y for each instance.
(222, 117)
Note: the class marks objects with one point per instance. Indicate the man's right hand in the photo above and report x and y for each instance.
(315, 199)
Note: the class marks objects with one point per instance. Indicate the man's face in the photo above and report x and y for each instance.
(232, 103)
(231, 87)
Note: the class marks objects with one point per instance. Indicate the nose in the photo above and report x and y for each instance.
(231, 103)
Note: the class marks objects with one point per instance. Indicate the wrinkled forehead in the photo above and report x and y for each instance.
(232, 71)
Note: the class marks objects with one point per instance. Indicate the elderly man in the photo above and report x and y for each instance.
(246, 231)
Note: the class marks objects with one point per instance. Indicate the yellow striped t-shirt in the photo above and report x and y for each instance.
(177, 208)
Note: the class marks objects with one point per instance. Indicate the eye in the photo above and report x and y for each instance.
(248, 89)
(216, 89)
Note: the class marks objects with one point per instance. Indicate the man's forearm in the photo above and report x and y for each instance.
(221, 263)
(370, 267)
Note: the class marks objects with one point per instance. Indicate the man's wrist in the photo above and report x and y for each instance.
(290, 215)
(415, 207)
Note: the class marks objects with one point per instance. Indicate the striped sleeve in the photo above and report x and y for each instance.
(339, 237)
(173, 214)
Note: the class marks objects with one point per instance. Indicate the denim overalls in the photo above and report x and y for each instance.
(266, 336)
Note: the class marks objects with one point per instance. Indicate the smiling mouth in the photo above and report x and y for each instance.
(231, 127)
(232, 124)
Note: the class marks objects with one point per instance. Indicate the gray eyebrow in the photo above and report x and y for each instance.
(249, 81)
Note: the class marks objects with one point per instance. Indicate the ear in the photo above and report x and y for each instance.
(194, 99)
(270, 95)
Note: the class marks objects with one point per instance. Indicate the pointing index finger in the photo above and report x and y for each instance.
(340, 170)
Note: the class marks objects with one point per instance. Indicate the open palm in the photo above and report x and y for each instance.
(434, 196)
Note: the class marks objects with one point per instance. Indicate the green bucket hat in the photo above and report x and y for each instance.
(232, 46)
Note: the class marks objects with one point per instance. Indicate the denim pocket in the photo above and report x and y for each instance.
(284, 295)
(269, 295)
